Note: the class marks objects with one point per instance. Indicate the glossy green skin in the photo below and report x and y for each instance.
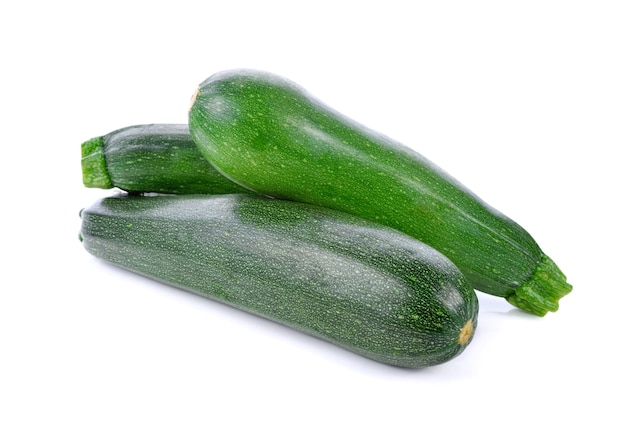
(152, 158)
(367, 288)
(273, 137)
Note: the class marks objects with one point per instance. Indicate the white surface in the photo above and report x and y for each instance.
(523, 103)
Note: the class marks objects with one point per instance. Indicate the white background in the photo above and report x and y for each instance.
(524, 102)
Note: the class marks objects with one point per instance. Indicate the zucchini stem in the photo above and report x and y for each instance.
(95, 173)
(541, 293)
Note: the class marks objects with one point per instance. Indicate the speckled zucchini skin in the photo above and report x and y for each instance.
(270, 135)
(365, 287)
(151, 158)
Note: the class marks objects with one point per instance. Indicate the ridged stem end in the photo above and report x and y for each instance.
(93, 164)
(542, 292)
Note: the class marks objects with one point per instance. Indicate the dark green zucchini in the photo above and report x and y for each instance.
(365, 287)
(151, 158)
(272, 136)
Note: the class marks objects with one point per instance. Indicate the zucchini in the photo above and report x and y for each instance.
(272, 136)
(365, 287)
(151, 158)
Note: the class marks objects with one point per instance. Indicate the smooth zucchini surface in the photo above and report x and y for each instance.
(362, 286)
(151, 158)
(270, 135)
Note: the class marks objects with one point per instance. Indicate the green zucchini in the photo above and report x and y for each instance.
(271, 136)
(365, 287)
(151, 158)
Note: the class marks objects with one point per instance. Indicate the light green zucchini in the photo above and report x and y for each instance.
(271, 136)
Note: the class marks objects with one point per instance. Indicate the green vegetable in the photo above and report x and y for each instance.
(365, 287)
(152, 158)
(273, 137)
